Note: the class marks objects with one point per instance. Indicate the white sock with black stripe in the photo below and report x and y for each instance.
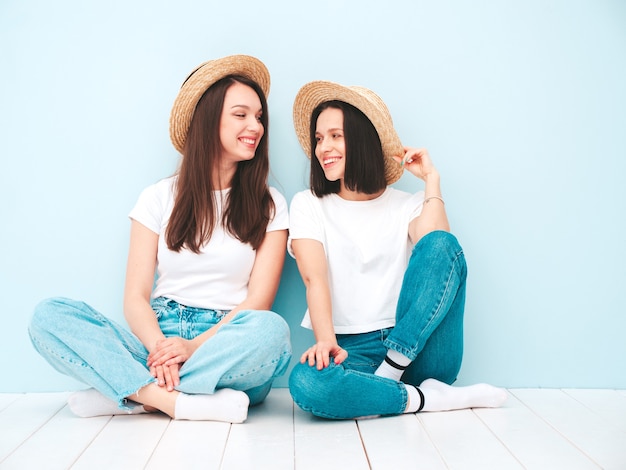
(439, 396)
(416, 400)
(393, 366)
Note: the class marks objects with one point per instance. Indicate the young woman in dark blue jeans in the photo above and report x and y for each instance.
(384, 277)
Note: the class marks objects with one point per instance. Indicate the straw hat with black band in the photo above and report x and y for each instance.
(369, 103)
(199, 81)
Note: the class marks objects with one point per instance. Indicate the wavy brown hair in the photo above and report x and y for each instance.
(248, 206)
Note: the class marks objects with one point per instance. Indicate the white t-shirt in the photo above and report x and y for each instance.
(367, 250)
(217, 277)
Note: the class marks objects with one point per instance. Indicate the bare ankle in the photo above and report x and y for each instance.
(155, 398)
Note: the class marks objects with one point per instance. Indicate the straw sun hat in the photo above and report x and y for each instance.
(203, 76)
(314, 93)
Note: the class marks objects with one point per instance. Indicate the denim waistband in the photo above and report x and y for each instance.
(164, 302)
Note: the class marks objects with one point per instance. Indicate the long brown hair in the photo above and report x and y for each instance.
(248, 207)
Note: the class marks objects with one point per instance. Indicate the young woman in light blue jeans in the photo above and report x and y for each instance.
(385, 279)
(203, 343)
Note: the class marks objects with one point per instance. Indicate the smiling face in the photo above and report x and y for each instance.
(240, 124)
(330, 148)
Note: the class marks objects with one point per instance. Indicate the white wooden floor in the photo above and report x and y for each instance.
(536, 429)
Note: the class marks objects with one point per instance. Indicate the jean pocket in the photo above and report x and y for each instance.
(162, 307)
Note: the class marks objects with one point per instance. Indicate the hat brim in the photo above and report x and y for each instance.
(205, 75)
(314, 93)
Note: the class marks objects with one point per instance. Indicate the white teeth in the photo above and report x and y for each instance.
(328, 161)
(248, 141)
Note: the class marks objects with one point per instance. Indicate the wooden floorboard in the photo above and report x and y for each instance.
(610, 404)
(398, 441)
(7, 398)
(266, 439)
(535, 429)
(531, 440)
(190, 445)
(59, 442)
(465, 442)
(593, 435)
(324, 444)
(24, 416)
(127, 441)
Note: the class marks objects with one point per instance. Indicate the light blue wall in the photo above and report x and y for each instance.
(521, 104)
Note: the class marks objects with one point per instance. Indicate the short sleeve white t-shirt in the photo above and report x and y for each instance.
(367, 250)
(217, 277)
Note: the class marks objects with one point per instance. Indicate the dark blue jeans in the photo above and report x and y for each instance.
(428, 330)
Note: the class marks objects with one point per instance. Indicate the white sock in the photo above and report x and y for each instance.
(416, 399)
(439, 396)
(225, 404)
(393, 366)
(89, 403)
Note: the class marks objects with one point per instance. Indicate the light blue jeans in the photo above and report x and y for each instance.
(428, 330)
(246, 354)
